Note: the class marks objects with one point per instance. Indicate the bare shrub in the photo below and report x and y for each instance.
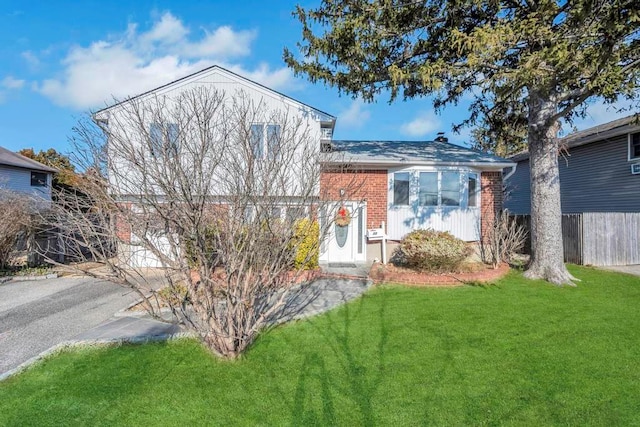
(503, 239)
(210, 188)
(15, 219)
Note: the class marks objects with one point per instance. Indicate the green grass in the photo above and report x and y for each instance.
(517, 353)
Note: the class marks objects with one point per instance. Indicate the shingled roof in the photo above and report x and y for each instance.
(9, 158)
(411, 153)
(596, 133)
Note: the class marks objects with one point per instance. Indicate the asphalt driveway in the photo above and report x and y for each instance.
(36, 315)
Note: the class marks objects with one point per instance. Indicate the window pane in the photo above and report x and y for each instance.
(450, 188)
(294, 213)
(276, 212)
(473, 191)
(38, 179)
(257, 136)
(273, 140)
(155, 135)
(401, 188)
(635, 145)
(172, 133)
(428, 193)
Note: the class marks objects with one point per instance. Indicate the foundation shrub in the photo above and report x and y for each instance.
(306, 243)
(432, 251)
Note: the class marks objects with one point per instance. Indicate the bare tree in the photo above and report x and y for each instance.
(214, 189)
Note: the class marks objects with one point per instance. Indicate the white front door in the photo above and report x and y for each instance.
(345, 242)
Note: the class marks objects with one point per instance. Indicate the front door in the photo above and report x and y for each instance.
(345, 238)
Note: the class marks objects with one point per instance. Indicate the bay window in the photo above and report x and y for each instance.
(435, 188)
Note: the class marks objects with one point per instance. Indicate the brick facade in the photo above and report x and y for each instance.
(490, 199)
(370, 185)
(123, 229)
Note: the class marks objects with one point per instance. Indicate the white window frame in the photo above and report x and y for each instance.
(630, 147)
(264, 151)
(169, 138)
(414, 187)
(477, 193)
(393, 187)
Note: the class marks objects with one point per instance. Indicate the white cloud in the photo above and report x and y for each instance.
(11, 82)
(134, 62)
(355, 116)
(424, 124)
(31, 59)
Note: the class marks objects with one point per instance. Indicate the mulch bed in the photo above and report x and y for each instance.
(475, 273)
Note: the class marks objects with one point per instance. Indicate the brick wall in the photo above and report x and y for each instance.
(123, 229)
(369, 185)
(490, 199)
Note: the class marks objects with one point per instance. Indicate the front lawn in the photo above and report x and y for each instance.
(520, 352)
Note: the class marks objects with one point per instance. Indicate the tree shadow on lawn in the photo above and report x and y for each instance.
(361, 383)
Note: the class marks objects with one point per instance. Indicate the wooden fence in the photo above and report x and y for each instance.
(598, 238)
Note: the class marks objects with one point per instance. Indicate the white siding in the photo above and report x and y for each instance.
(19, 180)
(462, 223)
(126, 181)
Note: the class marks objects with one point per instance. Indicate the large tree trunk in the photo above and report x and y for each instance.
(547, 256)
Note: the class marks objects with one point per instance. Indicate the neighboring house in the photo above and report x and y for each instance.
(599, 171)
(405, 185)
(24, 175)
(599, 186)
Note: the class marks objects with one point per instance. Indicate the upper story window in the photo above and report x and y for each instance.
(634, 146)
(265, 140)
(164, 138)
(38, 179)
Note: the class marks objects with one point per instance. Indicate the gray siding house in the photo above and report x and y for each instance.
(599, 171)
(24, 175)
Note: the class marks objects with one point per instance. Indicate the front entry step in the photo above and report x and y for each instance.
(358, 269)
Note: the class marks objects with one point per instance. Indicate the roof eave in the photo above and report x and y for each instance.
(104, 110)
(408, 163)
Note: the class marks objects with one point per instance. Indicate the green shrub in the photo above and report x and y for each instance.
(434, 251)
(306, 244)
(173, 296)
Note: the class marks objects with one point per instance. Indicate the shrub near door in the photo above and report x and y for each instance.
(433, 251)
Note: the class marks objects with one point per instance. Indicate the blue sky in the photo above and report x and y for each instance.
(61, 59)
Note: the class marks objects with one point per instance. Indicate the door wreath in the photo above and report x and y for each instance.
(343, 217)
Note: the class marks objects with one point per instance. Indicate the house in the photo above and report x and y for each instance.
(599, 185)
(399, 185)
(24, 175)
(599, 171)
(409, 185)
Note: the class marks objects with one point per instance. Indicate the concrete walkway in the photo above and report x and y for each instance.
(320, 296)
(629, 269)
